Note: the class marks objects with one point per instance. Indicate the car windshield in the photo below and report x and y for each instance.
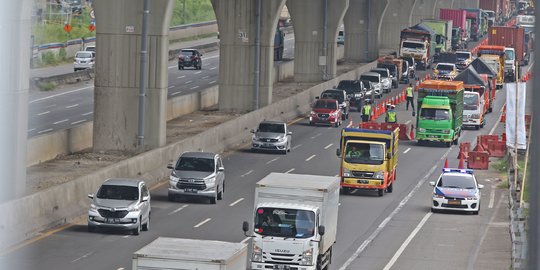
(273, 128)
(324, 104)
(195, 164)
(364, 153)
(462, 56)
(270, 221)
(509, 55)
(84, 55)
(349, 86)
(445, 67)
(413, 45)
(187, 53)
(470, 102)
(333, 95)
(113, 192)
(434, 114)
(370, 78)
(384, 74)
(465, 181)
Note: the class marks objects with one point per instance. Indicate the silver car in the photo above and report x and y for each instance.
(376, 82)
(386, 78)
(198, 174)
(83, 60)
(272, 136)
(121, 204)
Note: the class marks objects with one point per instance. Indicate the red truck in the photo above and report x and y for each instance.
(512, 37)
(459, 20)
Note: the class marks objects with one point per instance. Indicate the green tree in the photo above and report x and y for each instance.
(192, 11)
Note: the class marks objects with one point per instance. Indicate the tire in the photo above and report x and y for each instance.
(433, 210)
(390, 188)
(171, 197)
(137, 230)
(91, 228)
(336, 124)
(477, 127)
(289, 148)
(345, 191)
(213, 200)
(380, 192)
(146, 226)
(449, 144)
(220, 195)
(179, 67)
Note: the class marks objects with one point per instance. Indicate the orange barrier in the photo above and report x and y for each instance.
(484, 139)
(370, 125)
(389, 126)
(478, 160)
(497, 148)
(404, 133)
(503, 137)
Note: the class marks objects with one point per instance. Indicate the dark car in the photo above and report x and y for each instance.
(412, 66)
(189, 58)
(355, 90)
(405, 78)
(341, 97)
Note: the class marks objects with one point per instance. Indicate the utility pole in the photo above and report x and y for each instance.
(143, 75)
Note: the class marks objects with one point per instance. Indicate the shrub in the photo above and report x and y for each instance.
(62, 54)
(49, 58)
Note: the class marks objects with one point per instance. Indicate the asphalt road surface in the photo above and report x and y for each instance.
(70, 106)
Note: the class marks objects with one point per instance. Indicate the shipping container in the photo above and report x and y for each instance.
(457, 16)
(513, 37)
(492, 5)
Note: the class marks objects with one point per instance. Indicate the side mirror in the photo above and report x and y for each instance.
(289, 133)
(91, 196)
(252, 131)
(338, 152)
(145, 198)
(334, 87)
(388, 155)
(316, 97)
(245, 228)
(221, 169)
(170, 166)
(480, 186)
(432, 183)
(321, 230)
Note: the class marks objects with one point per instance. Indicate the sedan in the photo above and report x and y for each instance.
(456, 189)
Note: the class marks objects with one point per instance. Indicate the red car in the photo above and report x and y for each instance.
(326, 111)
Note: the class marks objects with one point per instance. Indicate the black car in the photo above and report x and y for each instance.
(412, 66)
(189, 58)
(355, 90)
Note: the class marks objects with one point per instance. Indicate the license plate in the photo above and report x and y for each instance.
(190, 190)
(112, 220)
(363, 181)
(456, 202)
(281, 267)
(267, 145)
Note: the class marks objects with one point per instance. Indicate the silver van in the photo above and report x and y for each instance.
(376, 81)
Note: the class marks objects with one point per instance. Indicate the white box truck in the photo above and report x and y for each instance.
(176, 253)
(295, 221)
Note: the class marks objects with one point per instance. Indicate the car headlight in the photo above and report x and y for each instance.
(307, 257)
(210, 179)
(334, 113)
(93, 207)
(134, 208)
(346, 173)
(255, 138)
(256, 255)
(282, 139)
(475, 116)
(174, 178)
(379, 175)
(421, 130)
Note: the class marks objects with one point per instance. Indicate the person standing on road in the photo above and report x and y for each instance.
(366, 111)
(391, 115)
(410, 98)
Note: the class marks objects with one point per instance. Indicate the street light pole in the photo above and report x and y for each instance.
(143, 75)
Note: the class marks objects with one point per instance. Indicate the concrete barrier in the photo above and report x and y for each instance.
(63, 203)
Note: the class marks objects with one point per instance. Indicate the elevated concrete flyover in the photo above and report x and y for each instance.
(443, 4)
(424, 9)
(397, 16)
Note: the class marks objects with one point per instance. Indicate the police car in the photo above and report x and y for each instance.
(456, 189)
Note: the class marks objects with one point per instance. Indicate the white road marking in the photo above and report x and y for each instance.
(61, 121)
(42, 113)
(176, 93)
(408, 121)
(491, 197)
(78, 122)
(88, 113)
(72, 106)
(212, 82)
(205, 77)
(237, 201)
(46, 130)
(245, 240)
(188, 82)
(407, 242)
(181, 77)
(310, 158)
(210, 57)
(126, 236)
(328, 146)
(316, 135)
(171, 87)
(202, 223)
(57, 95)
(398, 208)
(291, 170)
(30, 130)
(245, 174)
(407, 150)
(83, 256)
(212, 68)
(50, 106)
(272, 160)
(121, 268)
(296, 146)
(194, 87)
(198, 72)
(177, 210)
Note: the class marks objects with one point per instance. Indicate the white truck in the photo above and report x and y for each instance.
(180, 254)
(295, 221)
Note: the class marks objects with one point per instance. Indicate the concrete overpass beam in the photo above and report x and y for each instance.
(362, 21)
(397, 16)
(118, 45)
(424, 9)
(443, 4)
(307, 17)
(466, 3)
(237, 25)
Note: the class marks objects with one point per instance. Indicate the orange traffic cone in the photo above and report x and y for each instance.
(446, 163)
(411, 135)
(461, 163)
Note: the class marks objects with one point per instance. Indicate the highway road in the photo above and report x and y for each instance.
(396, 231)
(74, 105)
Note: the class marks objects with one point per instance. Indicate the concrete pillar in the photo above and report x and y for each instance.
(116, 94)
(362, 21)
(14, 74)
(398, 15)
(442, 4)
(424, 9)
(466, 3)
(237, 23)
(307, 18)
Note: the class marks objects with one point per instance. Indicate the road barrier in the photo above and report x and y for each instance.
(464, 149)
(478, 160)
(497, 148)
(484, 139)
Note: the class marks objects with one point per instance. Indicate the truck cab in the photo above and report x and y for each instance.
(463, 59)
(417, 49)
(509, 64)
(473, 110)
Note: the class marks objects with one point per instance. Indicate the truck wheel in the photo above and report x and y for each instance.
(390, 188)
(448, 144)
(380, 192)
(345, 190)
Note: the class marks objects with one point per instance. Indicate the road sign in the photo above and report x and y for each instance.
(67, 28)
(130, 29)
(92, 15)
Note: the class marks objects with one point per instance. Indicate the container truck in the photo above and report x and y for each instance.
(440, 112)
(418, 42)
(443, 30)
(368, 159)
(478, 23)
(494, 56)
(459, 20)
(513, 38)
(295, 221)
(179, 254)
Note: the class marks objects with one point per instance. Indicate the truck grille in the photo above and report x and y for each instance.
(281, 258)
(361, 174)
(112, 214)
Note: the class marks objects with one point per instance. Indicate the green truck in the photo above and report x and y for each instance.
(443, 30)
(440, 112)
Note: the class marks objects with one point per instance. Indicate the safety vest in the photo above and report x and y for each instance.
(391, 116)
(409, 92)
(366, 110)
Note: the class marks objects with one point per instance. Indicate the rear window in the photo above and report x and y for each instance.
(187, 53)
(337, 95)
(370, 78)
(84, 55)
(383, 73)
(445, 67)
(349, 85)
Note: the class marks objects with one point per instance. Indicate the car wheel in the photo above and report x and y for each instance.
(213, 199)
(137, 230)
(345, 190)
(380, 192)
(171, 197)
(179, 67)
(220, 195)
(146, 226)
(91, 228)
(449, 144)
(289, 148)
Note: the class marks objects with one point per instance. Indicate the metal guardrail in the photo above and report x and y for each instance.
(185, 26)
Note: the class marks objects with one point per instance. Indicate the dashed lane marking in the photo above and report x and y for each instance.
(236, 202)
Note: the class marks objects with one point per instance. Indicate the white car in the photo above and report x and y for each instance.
(83, 60)
(456, 189)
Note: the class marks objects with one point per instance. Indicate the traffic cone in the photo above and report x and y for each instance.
(461, 154)
(461, 163)
(411, 134)
(446, 163)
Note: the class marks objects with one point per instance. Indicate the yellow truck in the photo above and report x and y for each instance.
(368, 159)
(494, 56)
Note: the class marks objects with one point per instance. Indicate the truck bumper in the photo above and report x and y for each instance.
(255, 266)
(357, 183)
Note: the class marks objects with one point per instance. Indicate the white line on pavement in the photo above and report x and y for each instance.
(171, 87)
(245, 174)
(72, 106)
(328, 146)
(245, 240)
(83, 256)
(407, 150)
(309, 158)
(212, 82)
(212, 68)
(198, 72)
(205, 77)
(491, 197)
(46, 130)
(188, 82)
(408, 121)
(296, 146)
(78, 122)
(398, 208)
(202, 223)
(316, 135)
(272, 160)
(57, 95)
(291, 170)
(42, 113)
(30, 130)
(176, 93)
(210, 57)
(50, 106)
(88, 113)
(194, 87)
(237, 201)
(407, 241)
(181, 77)
(61, 121)
(177, 210)
(121, 268)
